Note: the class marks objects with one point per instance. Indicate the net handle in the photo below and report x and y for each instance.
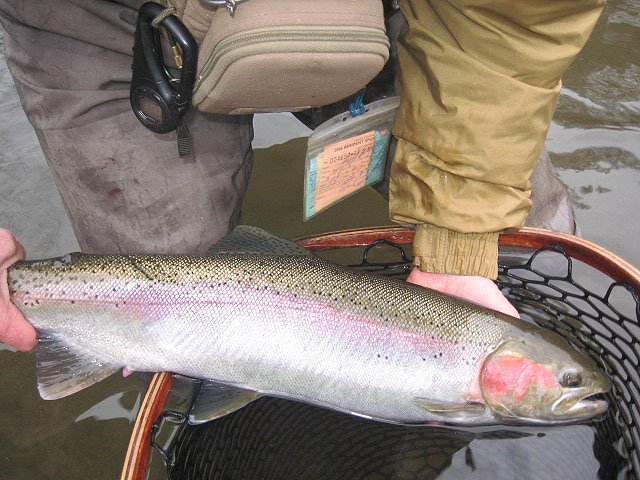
(136, 461)
(139, 450)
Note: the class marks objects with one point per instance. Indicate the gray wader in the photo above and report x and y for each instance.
(124, 187)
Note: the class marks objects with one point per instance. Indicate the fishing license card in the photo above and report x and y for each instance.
(346, 154)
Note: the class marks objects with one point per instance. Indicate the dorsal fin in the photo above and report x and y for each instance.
(216, 400)
(253, 240)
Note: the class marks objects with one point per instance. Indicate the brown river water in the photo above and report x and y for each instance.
(594, 143)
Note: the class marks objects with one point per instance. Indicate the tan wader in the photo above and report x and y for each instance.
(124, 187)
(479, 82)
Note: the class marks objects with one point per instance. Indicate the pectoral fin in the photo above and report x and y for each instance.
(216, 400)
(451, 409)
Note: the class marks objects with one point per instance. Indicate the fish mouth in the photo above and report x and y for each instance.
(589, 401)
(580, 406)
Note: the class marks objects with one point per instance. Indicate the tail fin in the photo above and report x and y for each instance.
(63, 370)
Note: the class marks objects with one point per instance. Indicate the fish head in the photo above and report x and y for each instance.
(539, 378)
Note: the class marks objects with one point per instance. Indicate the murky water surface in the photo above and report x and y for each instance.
(595, 144)
(595, 137)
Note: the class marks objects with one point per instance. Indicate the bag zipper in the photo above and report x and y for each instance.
(286, 39)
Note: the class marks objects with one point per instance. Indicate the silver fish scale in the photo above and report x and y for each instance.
(397, 303)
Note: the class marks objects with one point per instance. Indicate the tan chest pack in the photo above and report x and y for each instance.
(283, 55)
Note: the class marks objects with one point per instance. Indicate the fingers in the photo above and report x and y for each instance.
(501, 304)
(434, 281)
(14, 329)
(478, 290)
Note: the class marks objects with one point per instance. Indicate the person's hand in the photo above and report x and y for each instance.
(478, 290)
(14, 329)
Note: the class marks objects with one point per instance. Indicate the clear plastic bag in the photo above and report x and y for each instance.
(346, 154)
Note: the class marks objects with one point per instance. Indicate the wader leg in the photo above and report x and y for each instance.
(550, 204)
(124, 187)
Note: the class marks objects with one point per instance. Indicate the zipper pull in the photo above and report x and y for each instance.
(185, 150)
(230, 4)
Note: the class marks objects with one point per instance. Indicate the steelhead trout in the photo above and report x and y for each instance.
(261, 316)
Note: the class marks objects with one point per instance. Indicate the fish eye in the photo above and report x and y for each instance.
(571, 380)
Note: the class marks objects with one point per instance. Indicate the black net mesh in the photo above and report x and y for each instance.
(598, 316)
(278, 439)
